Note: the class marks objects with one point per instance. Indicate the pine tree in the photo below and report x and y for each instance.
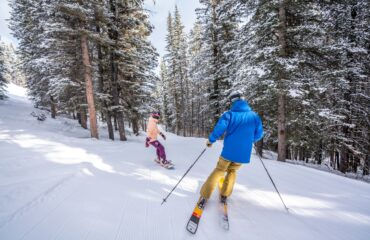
(2, 74)
(218, 25)
(162, 94)
(27, 19)
(279, 52)
(173, 100)
(178, 82)
(346, 81)
(12, 72)
(197, 98)
(135, 68)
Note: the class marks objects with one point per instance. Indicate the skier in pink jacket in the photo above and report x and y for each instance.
(152, 135)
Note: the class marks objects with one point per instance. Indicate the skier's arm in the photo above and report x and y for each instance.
(258, 132)
(220, 127)
(160, 132)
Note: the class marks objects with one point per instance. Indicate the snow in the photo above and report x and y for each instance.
(57, 183)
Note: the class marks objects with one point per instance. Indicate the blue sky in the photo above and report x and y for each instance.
(158, 17)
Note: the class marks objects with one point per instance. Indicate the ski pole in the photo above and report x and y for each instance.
(273, 183)
(165, 199)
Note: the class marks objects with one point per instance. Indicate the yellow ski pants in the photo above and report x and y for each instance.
(223, 166)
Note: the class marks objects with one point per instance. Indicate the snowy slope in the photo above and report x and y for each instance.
(57, 183)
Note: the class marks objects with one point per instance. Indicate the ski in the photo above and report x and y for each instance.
(224, 218)
(193, 223)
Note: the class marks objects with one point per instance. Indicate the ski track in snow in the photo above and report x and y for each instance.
(57, 184)
(34, 202)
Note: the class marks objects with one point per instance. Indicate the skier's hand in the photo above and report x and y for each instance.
(208, 143)
(147, 140)
(163, 136)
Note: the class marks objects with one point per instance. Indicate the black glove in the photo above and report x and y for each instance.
(147, 140)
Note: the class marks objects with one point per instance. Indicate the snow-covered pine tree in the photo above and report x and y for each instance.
(178, 83)
(44, 57)
(162, 94)
(13, 72)
(27, 24)
(2, 74)
(102, 63)
(322, 74)
(261, 65)
(181, 66)
(305, 38)
(198, 88)
(218, 24)
(346, 84)
(137, 60)
(74, 19)
(173, 100)
(65, 78)
(116, 26)
(267, 29)
(69, 47)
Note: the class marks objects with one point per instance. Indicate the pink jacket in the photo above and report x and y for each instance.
(152, 129)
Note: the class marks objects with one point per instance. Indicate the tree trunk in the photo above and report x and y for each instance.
(336, 160)
(82, 118)
(281, 129)
(118, 113)
(115, 122)
(89, 87)
(289, 152)
(105, 110)
(319, 153)
(343, 164)
(281, 89)
(121, 126)
(301, 157)
(215, 96)
(259, 149)
(113, 34)
(135, 126)
(366, 165)
(53, 107)
(109, 125)
(143, 124)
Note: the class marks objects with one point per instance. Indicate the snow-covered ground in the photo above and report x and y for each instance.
(57, 183)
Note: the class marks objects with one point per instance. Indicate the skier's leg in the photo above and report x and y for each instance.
(227, 187)
(161, 152)
(156, 145)
(218, 172)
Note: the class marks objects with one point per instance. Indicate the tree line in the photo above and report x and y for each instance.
(302, 65)
(10, 67)
(89, 59)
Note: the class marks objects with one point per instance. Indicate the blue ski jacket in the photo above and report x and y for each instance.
(243, 127)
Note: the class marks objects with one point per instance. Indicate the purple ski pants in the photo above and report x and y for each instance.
(161, 154)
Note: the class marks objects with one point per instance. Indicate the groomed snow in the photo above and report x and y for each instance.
(57, 183)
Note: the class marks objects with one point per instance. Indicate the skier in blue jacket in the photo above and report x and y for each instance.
(242, 128)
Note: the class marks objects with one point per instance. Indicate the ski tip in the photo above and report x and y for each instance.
(192, 227)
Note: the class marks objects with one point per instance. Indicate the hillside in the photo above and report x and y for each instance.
(57, 183)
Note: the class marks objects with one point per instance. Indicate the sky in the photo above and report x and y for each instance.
(158, 17)
(5, 32)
